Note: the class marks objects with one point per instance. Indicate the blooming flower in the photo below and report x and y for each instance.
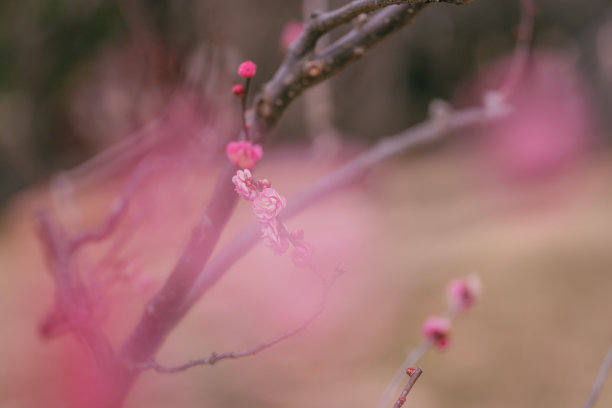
(238, 90)
(244, 154)
(247, 69)
(302, 255)
(243, 180)
(272, 237)
(436, 330)
(268, 205)
(462, 293)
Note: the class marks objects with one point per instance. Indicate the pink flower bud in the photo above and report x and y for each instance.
(410, 371)
(272, 237)
(244, 154)
(302, 255)
(268, 205)
(462, 293)
(247, 69)
(243, 180)
(437, 330)
(238, 90)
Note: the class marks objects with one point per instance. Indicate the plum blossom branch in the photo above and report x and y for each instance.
(214, 357)
(599, 381)
(351, 172)
(297, 72)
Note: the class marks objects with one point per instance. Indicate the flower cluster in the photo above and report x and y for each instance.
(267, 204)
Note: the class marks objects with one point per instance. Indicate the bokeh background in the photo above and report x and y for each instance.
(524, 203)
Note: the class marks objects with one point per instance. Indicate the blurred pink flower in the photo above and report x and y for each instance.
(268, 205)
(302, 255)
(247, 69)
(463, 293)
(243, 180)
(437, 330)
(244, 154)
(550, 125)
(272, 237)
(238, 90)
(291, 32)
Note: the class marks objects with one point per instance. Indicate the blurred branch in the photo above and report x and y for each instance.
(215, 357)
(413, 379)
(70, 293)
(599, 381)
(304, 67)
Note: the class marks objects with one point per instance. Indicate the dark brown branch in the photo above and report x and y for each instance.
(302, 68)
(215, 357)
(413, 379)
(599, 381)
(162, 312)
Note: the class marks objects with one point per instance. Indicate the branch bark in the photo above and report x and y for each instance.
(303, 67)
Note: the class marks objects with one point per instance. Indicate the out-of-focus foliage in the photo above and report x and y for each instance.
(77, 75)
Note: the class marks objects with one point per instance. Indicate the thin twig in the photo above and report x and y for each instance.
(599, 381)
(214, 357)
(413, 379)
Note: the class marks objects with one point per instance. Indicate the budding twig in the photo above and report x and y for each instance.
(413, 379)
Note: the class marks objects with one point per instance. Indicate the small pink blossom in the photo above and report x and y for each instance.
(291, 32)
(244, 154)
(302, 255)
(268, 205)
(243, 180)
(437, 330)
(463, 293)
(272, 237)
(247, 69)
(238, 90)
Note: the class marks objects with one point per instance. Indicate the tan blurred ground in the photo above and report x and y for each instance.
(535, 340)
